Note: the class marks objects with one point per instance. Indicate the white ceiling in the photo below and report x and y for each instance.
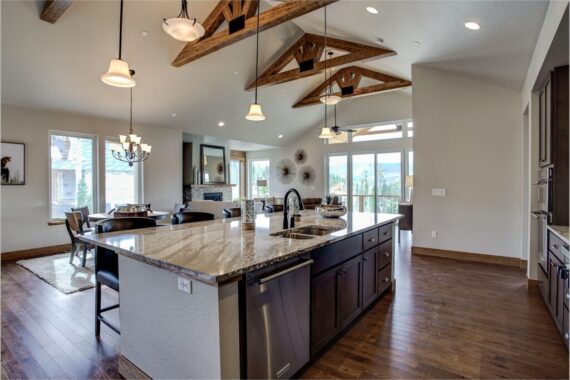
(58, 66)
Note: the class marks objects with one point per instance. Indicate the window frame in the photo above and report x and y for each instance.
(350, 139)
(95, 165)
(250, 178)
(139, 196)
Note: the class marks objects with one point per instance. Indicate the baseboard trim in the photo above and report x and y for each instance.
(34, 252)
(130, 371)
(468, 256)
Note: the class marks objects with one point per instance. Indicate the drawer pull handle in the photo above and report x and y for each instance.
(387, 254)
(372, 240)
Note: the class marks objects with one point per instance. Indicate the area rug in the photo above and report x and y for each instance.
(59, 273)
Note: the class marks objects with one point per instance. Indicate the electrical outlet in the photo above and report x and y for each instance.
(434, 234)
(184, 285)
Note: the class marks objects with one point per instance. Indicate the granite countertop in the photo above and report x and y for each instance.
(562, 232)
(217, 251)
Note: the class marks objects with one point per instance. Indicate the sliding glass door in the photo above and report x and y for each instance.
(367, 182)
(388, 181)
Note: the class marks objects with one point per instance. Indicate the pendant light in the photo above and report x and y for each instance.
(329, 98)
(255, 113)
(182, 27)
(119, 74)
(325, 131)
(130, 149)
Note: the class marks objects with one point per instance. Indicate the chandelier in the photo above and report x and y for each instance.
(182, 27)
(130, 149)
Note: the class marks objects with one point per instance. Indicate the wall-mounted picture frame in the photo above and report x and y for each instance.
(13, 162)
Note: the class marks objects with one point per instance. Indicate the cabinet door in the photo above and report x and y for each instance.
(560, 296)
(565, 330)
(350, 290)
(542, 284)
(369, 276)
(553, 287)
(325, 322)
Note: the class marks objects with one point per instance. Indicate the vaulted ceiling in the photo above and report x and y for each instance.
(57, 66)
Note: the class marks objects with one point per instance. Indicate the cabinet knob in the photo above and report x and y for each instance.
(568, 296)
(566, 336)
(385, 233)
(387, 254)
(386, 279)
(372, 240)
(556, 246)
(365, 259)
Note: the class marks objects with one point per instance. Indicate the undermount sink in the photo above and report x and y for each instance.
(307, 232)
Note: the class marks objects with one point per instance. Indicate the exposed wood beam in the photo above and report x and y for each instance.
(53, 9)
(352, 76)
(267, 20)
(356, 52)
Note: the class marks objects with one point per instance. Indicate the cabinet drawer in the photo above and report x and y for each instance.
(384, 254)
(385, 232)
(384, 279)
(336, 253)
(543, 284)
(369, 239)
(556, 246)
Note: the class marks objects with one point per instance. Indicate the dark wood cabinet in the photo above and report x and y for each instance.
(369, 276)
(543, 285)
(554, 264)
(559, 145)
(350, 290)
(325, 320)
(565, 329)
(345, 280)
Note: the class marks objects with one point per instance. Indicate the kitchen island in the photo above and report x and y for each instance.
(208, 299)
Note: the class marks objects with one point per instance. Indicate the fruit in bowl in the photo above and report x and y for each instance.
(331, 211)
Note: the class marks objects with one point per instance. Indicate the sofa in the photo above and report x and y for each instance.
(211, 207)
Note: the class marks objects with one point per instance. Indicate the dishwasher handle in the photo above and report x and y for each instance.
(273, 276)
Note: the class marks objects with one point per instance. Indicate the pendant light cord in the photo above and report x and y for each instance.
(131, 115)
(257, 51)
(121, 32)
(326, 124)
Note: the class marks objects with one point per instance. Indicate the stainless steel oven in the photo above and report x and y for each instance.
(543, 214)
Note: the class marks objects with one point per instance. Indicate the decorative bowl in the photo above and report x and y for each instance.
(331, 211)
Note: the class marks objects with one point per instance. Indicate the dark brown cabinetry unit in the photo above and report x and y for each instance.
(553, 142)
(554, 284)
(347, 277)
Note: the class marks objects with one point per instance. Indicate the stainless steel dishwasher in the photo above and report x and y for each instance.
(278, 317)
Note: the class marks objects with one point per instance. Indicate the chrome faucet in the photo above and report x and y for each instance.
(290, 224)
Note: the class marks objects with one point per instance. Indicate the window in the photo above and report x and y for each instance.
(363, 182)
(410, 162)
(122, 182)
(72, 172)
(236, 178)
(378, 132)
(410, 129)
(338, 177)
(259, 178)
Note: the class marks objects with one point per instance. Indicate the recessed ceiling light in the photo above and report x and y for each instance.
(221, 124)
(472, 25)
(417, 43)
(280, 136)
(372, 10)
(173, 114)
(144, 33)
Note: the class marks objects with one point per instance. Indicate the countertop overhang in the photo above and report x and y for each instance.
(219, 251)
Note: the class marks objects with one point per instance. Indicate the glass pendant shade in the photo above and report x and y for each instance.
(118, 75)
(183, 29)
(330, 99)
(255, 113)
(325, 133)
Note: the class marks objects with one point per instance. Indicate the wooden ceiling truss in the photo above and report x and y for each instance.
(349, 80)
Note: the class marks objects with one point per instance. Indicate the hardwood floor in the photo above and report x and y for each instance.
(448, 319)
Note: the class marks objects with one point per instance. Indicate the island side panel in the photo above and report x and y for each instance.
(168, 333)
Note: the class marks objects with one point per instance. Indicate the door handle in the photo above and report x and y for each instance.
(284, 272)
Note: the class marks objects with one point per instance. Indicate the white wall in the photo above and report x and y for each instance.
(391, 106)
(25, 208)
(468, 139)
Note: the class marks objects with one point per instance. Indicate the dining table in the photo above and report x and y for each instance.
(157, 215)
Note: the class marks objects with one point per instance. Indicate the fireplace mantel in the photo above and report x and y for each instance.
(197, 191)
(206, 185)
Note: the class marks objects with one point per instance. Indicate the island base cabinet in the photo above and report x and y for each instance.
(325, 319)
(369, 277)
(350, 290)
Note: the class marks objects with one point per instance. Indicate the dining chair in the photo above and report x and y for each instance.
(179, 207)
(233, 212)
(74, 226)
(107, 265)
(84, 214)
(191, 217)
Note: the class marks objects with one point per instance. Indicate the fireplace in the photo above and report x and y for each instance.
(218, 197)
